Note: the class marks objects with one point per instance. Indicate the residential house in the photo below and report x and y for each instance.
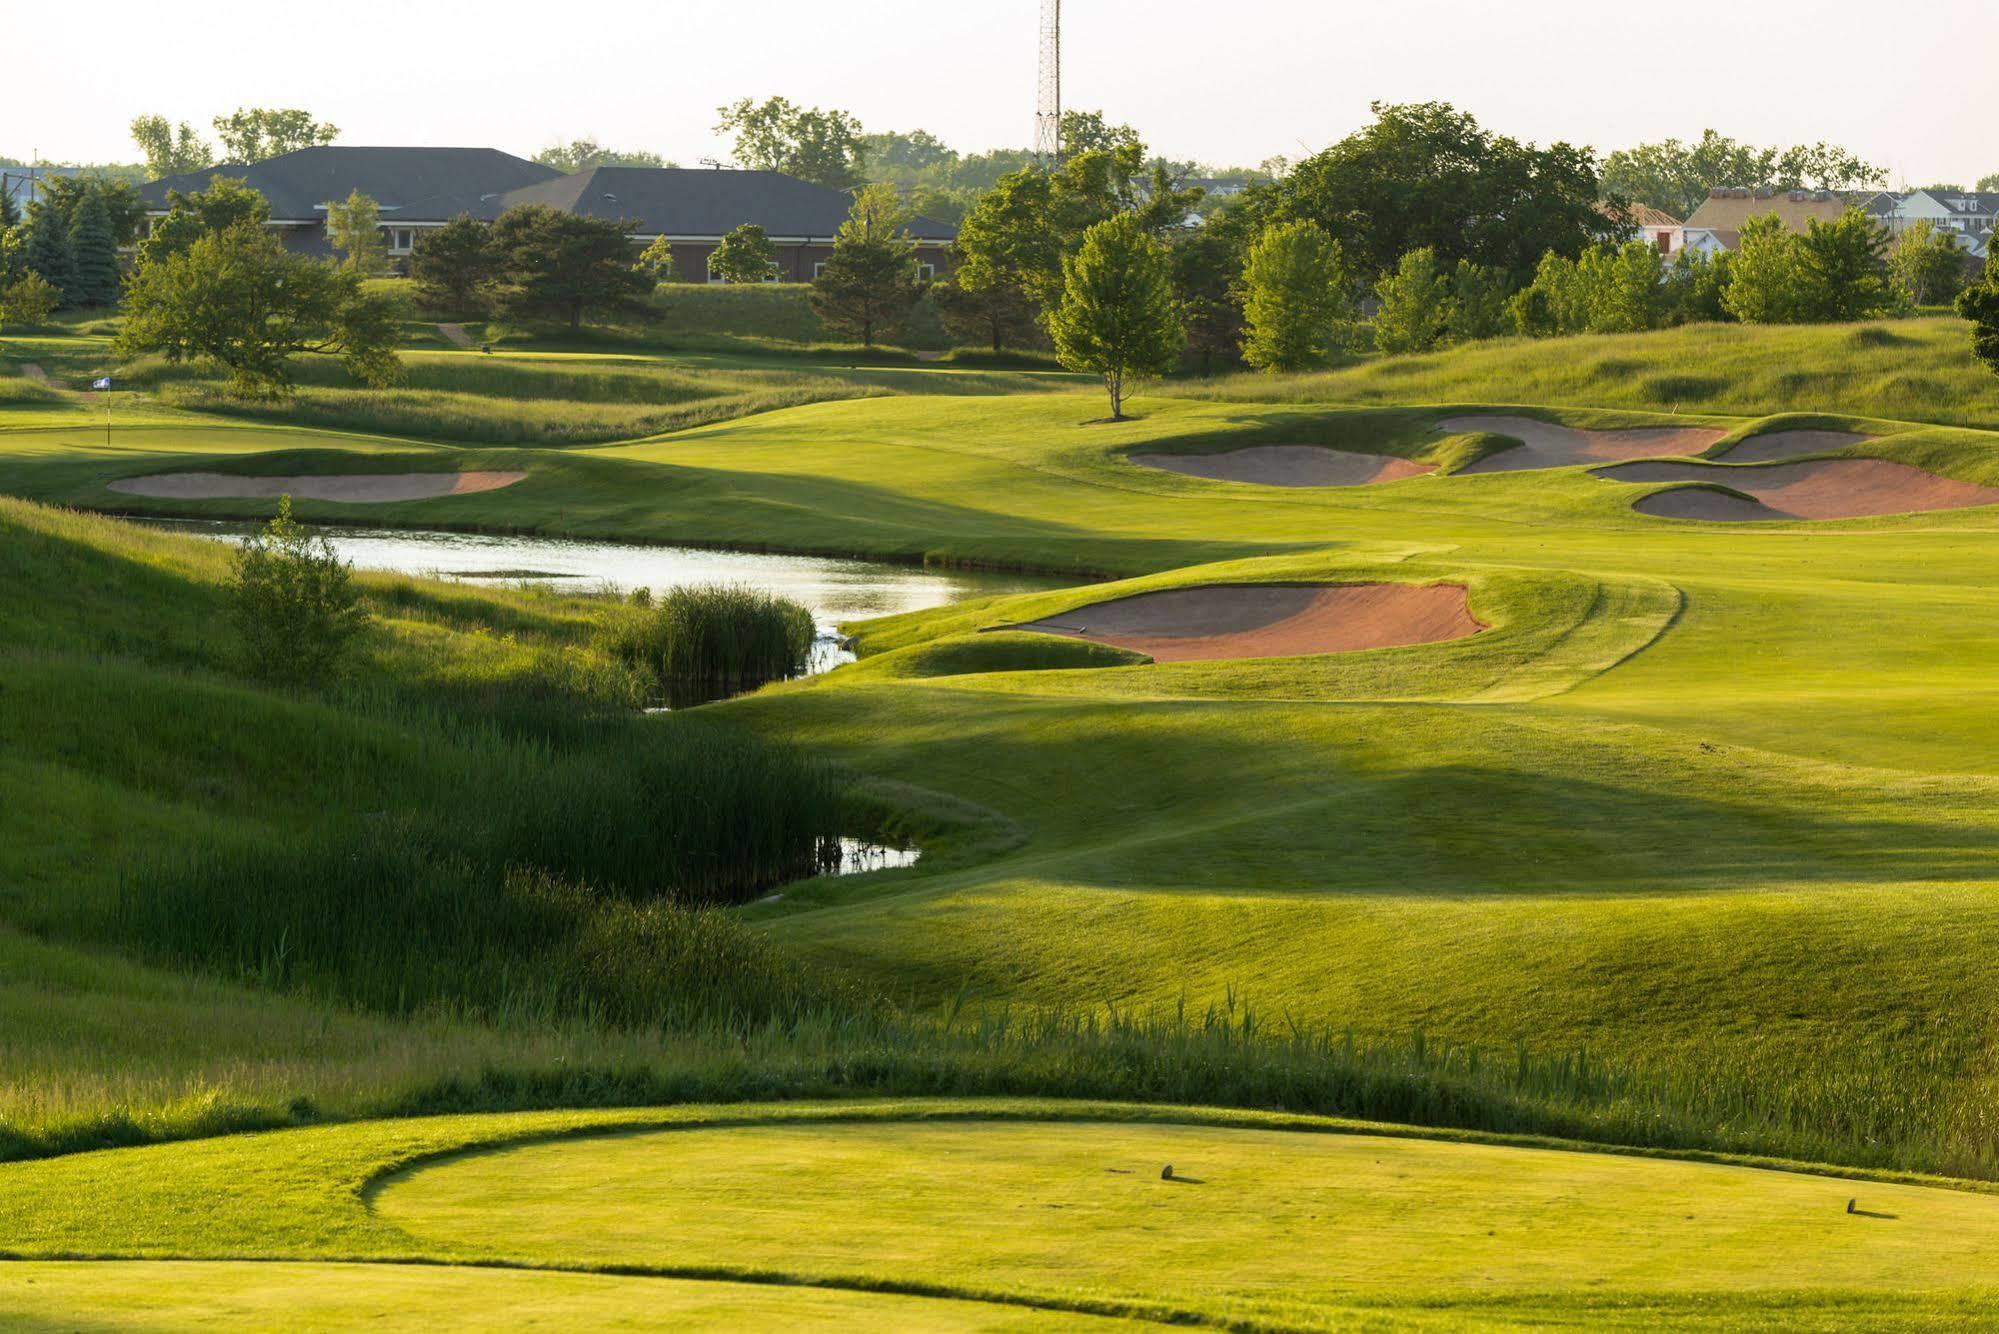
(422, 188)
(1969, 213)
(1717, 224)
(1655, 227)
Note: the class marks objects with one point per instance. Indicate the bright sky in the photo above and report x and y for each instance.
(1230, 82)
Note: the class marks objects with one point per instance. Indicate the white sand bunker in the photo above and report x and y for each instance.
(1289, 465)
(1549, 445)
(1818, 489)
(1269, 620)
(1778, 445)
(350, 488)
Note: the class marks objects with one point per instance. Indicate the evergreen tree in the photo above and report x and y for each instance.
(1117, 316)
(93, 245)
(868, 287)
(996, 315)
(47, 251)
(1294, 297)
(454, 266)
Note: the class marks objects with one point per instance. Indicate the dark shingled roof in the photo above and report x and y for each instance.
(411, 184)
(675, 201)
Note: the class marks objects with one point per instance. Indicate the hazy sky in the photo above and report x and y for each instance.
(1230, 82)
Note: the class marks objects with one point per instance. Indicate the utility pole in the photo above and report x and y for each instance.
(1048, 106)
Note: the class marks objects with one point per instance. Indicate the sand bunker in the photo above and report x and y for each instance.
(1790, 444)
(1548, 445)
(1289, 465)
(1269, 620)
(1821, 489)
(352, 488)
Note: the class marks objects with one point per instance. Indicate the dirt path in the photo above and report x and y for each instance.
(455, 334)
(33, 370)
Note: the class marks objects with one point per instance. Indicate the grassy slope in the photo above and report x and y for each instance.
(1300, 1222)
(1908, 370)
(1751, 859)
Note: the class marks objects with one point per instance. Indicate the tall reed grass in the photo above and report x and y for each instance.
(716, 637)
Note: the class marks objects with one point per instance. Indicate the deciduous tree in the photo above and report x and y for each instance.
(1429, 176)
(656, 261)
(823, 147)
(28, 300)
(252, 134)
(1979, 303)
(1415, 305)
(227, 201)
(238, 299)
(1296, 292)
(1764, 285)
(354, 228)
(1677, 176)
(868, 285)
(583, 154)
(994, 316)
(1927, 262)
(1116, 318)
(1479, 295)
(745, 255)
(170, 151)
(1843, 270)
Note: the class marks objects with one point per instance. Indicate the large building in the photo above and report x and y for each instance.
(422, 188)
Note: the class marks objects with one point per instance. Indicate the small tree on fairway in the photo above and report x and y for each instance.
(1117, 317)
(93, 244)
(868, 286)
(293, 602)
(1294, 297)
(239, 299)
(1927, 263)
(47, 250)
(745, 255)
(1415, 305)
(354, 227)
(453, 266)
(566, 266)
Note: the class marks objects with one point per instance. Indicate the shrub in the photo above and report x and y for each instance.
(293, 602)
(716, 634)
(29, 300)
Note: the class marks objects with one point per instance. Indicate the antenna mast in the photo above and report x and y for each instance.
(1048, 107)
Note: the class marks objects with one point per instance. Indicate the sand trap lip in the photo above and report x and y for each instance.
(1775, 446)
(1288, 465)
(1551, 445)
(1817, 489)
(1217, 621)
(350, 488)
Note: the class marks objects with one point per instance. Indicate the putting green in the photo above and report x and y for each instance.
(1254, 1222)
(182, 1295)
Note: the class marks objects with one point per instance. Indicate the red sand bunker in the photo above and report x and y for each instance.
(352, 488)
(1548, 445)
(1790, 444)
(1289, 465)
(1269, 620)
(1819, 489)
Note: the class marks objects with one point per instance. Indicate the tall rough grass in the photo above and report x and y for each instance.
(715, 636)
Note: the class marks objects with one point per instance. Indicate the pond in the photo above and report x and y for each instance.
(833, 590)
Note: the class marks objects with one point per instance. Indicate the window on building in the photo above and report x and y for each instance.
(818, 267)
(926, 272)
(401, 239)
(1665, 243)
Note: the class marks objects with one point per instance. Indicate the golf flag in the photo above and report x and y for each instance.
(104, 383)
